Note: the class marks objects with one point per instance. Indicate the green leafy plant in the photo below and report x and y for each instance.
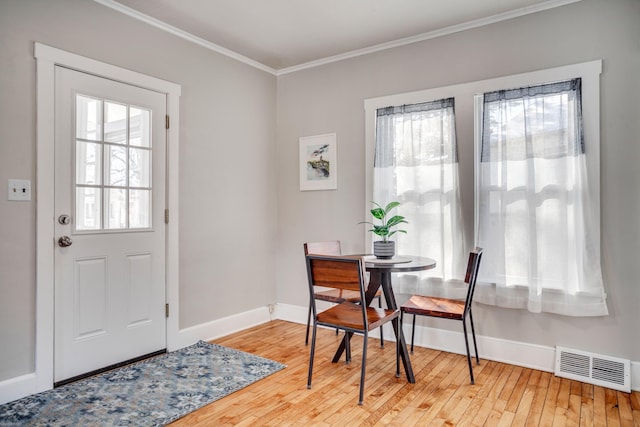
(384, 229)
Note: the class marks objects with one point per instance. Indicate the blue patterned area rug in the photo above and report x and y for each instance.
(153, 392)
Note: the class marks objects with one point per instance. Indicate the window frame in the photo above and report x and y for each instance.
(102, 186)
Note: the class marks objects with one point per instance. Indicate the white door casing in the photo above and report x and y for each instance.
(47, 58)
(110, 190)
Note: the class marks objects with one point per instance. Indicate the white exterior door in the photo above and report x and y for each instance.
(110, 154)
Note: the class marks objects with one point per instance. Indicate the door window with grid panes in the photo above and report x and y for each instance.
(113, 165)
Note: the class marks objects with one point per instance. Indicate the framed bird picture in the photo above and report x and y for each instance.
(318, 162)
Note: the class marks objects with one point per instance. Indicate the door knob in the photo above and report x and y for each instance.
(64, 241)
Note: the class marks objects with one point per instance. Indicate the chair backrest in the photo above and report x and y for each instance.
(339, 272)
(471, 276)
(329, 247)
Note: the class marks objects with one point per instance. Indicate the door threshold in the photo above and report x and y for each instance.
(108, 368)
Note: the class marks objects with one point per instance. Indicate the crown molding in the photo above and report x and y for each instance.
(347, 55)
(430, 35)
(184, 35)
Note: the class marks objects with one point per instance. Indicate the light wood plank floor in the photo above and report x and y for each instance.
(504, 395)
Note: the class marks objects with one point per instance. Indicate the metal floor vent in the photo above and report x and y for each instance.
(605, 371)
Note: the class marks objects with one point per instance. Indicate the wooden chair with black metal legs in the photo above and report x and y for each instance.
(332, 247)
(446, 308)
(345, 273)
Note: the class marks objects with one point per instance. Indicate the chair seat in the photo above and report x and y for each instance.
(435, 307)
(349, 315)
(339, 295)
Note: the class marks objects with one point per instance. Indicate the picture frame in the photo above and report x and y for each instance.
(318, 162)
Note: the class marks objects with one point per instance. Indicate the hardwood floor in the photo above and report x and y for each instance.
(504, 395)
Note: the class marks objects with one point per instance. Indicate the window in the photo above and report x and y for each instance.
(563, 199)
(535, 219)
(416, 164)
(113, 165)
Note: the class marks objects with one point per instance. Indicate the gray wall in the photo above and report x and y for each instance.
(330, 99)
(227, 178)
(233, 191)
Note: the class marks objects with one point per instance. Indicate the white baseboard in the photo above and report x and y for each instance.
(292, 313)
(221, 327)
(635, 376)
(512, 352)
(18, 387)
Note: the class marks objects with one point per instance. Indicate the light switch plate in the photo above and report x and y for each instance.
(19, 189)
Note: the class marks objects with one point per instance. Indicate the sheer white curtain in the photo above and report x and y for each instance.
(416, 164)
(535, 219)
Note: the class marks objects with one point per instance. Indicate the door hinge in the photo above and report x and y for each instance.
(166, 216)
(166, 121)
(166, 310)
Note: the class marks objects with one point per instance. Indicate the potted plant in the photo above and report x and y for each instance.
(385, 248)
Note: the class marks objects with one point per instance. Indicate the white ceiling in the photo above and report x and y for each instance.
(286, 34)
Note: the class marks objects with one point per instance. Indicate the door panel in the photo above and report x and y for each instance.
(140, 278)
(89, 297)
(110, 145)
